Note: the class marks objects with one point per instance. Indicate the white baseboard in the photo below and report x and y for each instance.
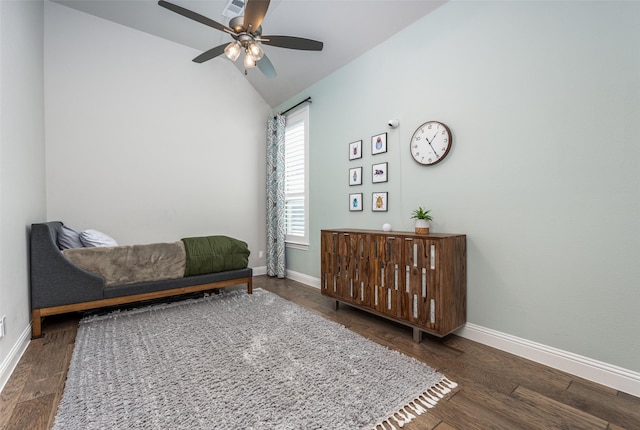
(606, 374)
(295, 276)
(257, 271)
(10, 363)
(304, 279)
(612, 376)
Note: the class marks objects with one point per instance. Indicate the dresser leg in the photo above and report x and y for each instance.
(336, 305)
(417, 335)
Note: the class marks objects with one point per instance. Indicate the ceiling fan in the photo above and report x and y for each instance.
(246, 32)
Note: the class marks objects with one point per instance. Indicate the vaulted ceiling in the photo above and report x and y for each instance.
(348, 29)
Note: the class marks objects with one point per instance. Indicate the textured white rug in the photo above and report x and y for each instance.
(238, 361)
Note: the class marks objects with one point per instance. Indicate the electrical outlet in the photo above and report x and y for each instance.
(3, 323)
(260, 254)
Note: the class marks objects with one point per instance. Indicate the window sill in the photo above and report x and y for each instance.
(297, 245)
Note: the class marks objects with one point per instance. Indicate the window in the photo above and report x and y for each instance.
(296, 183)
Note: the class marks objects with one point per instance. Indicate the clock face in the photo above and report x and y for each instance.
(430, 143)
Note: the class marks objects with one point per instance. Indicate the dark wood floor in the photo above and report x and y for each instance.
(496, 390)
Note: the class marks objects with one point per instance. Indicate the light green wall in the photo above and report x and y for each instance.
(543, 99)
(22, 184)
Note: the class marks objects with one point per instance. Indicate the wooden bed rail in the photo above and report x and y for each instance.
(38, 314)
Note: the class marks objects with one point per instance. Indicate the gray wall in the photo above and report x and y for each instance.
(22, 187)
(146, 145)
(544, 176)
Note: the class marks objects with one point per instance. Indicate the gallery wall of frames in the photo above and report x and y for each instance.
(377, 172)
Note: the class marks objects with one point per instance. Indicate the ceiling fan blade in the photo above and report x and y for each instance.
(195, 16)
(211, 53)
(265, 66)
(292, 43)
(254, 12)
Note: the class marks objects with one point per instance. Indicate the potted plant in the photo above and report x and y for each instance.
(422, 218)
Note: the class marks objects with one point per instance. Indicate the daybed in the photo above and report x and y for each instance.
(59, 286)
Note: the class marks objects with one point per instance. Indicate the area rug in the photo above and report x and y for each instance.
(238, 361)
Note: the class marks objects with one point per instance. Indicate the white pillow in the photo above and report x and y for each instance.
(94, 238)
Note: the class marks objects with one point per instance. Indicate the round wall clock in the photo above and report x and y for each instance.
(430, 143)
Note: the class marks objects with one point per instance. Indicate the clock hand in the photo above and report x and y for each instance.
(432, 148)
(434, 136)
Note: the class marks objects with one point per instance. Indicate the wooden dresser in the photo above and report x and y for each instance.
(417, 280)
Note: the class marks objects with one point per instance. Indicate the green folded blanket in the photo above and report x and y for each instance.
(211, 254)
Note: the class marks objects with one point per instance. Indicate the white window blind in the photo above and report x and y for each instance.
(295, 185)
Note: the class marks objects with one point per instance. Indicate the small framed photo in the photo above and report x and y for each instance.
(379, 202)
(379, 143)
(379, 172)
(355, 202)
(355, 150)
(355, 176)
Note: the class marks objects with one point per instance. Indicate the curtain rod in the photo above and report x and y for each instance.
(308, 99)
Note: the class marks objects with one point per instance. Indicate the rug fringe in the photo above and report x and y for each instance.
(418, 406)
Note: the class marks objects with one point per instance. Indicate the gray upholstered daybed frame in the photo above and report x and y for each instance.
(58, 286)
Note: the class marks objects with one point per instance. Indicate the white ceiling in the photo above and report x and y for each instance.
(348, 28)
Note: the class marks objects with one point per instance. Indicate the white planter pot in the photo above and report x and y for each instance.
(422, 226)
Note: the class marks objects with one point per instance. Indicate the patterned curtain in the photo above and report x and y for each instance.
(275, 197)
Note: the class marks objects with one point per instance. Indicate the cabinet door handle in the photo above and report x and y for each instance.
(432, 257)
(432, 311)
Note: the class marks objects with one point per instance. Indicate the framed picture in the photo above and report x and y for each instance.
(355, 202)
(379, 143)
(355, 176)
(379, 202)
(379, 172)
(355, 150)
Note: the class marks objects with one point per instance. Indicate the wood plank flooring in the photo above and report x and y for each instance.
(496, 390)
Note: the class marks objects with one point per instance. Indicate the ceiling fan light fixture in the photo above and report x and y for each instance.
(255, 50)
(249, 62)
(246, 31)
(233, 50)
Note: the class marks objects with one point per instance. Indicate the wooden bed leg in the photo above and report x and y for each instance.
(36, 324)
(250, 286)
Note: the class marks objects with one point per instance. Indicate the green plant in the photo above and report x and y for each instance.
(421, 214)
